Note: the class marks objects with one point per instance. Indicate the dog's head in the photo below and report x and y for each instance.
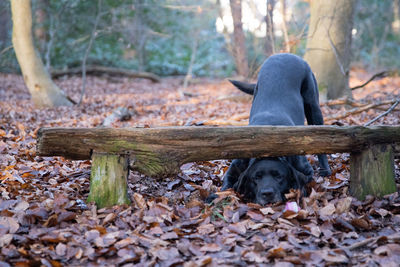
(266, 180)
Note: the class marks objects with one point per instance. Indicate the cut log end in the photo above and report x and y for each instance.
(372, 172)
(108, 180)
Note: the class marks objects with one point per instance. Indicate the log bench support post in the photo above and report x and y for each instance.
(108, 180)
(372, 172)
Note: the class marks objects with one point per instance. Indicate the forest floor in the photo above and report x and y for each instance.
(45, 221)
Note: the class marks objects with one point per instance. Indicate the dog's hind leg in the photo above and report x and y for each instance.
(309, 92)
(235, 170)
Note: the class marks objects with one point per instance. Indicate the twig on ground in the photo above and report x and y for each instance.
(362, 243)
(343, 101)
(384, 113)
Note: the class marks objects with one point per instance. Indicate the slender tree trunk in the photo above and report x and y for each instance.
(284, 26)
(328, 45)
(44, 92)
(269, 35)
(239, 49)
(4, 24)
(40, 29)
(396, 16)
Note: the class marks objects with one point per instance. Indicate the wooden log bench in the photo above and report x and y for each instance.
(161, 151)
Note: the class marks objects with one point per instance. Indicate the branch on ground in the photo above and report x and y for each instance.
(100, 70)
(384, 113)
(357, 110)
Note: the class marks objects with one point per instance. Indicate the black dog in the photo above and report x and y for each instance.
(286, 93)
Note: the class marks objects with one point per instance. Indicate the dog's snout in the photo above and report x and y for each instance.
(268, 193)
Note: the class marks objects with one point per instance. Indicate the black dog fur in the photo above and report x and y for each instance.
(286, 93)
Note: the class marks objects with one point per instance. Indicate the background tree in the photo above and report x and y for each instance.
(4, 25)
(329, 45)
(284, 26)
(44, 92)
(239, 48)
(131, 36)
(269, 34)
(376, 37)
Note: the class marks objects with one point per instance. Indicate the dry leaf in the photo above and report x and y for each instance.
(328, 210)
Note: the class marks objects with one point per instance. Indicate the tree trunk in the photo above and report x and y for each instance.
(269, 35)
(44, 92)
(284, 26)
(396, 16)
(40, 29)
(328, 46)
(4, 24)
(239, 49)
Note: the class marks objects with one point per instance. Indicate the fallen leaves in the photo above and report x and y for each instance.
(44, 219)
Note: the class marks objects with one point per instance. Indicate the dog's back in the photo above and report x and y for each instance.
(278, 96)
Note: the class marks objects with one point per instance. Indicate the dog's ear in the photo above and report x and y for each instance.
(248, 88)
(245, 187)
(298, 180)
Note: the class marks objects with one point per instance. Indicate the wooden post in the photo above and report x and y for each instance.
(372, 172)
(108, 180)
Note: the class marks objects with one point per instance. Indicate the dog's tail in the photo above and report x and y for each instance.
(248, 88)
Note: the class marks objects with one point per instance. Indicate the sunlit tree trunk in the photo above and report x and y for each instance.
(284, 26)
(269, 35)
(328, 45)
(239, 49)
(44, 92)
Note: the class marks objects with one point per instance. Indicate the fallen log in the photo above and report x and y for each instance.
(99, 70)
(161, 151)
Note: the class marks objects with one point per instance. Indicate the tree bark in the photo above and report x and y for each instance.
(269, 35)
(284, 26)
(44, 92)
(4, 24)
(161, 151)
(108, 180)
(40, 29)
(372, 172)
(328, 46)
(239, 49)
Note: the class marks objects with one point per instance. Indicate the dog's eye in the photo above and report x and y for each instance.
(258, 175)
(276, 175)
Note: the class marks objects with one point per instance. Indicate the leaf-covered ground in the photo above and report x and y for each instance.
(45, 221)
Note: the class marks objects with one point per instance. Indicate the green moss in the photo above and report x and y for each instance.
(108, 184)
(372, 172)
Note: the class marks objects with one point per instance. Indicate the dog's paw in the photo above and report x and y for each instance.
(324, 172)
(211, 198)
(226, 186)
